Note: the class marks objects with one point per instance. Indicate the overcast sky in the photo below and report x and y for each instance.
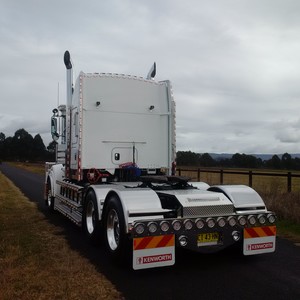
(234, 64)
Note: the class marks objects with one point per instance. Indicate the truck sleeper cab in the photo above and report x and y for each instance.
(114, 171)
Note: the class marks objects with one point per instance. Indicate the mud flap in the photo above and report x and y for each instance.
(259, 240)
(153, 251)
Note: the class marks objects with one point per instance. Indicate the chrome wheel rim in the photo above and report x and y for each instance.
(49, 197)
(90, 217)
(113, 230)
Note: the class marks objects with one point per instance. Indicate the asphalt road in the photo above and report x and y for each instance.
(225, 275)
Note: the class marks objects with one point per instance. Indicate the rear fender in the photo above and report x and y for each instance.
(135, 202)
(243, 197)
(200, 185)
(56, 172)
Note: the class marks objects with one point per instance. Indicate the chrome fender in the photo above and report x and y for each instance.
(135, 202)
(243, 197)
(56, 172)
(200, 185)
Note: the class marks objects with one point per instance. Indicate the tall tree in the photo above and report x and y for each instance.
(51, 148)
(38, 148)
(2, 137)
(22, 145)
(286, 161)
(187, 158)
(274, 162)
(207, 161)
(2, 141)
(7, 151)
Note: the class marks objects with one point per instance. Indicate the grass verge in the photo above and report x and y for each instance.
(38, 168)
(35, 259)
(288, 230)
(287, 208)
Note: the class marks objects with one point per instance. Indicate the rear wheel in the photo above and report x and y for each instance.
(90, 219)
(113, 230)
(116, 241)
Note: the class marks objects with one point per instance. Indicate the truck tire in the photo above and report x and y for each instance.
(49, 201)
(116, 241)
(90, 219)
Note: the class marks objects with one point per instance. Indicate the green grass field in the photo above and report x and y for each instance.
(260, 183)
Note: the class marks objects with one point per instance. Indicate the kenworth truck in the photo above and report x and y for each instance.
(115, 176)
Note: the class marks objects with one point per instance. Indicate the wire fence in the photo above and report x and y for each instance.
(288, 181)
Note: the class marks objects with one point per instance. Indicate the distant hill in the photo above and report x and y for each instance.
(219, 156)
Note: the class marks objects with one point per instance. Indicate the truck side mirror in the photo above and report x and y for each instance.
(54, 132)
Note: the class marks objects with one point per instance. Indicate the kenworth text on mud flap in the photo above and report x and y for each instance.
(115, 174)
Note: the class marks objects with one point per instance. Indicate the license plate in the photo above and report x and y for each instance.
(208, 239)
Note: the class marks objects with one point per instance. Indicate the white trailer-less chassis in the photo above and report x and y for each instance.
(114, 173)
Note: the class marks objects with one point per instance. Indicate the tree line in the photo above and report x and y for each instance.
(23, 147)
(188, 158)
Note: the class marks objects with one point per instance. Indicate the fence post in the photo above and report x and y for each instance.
(198, 174)
(179, 172)
(250, 178)
(221, 176)
(289, 182)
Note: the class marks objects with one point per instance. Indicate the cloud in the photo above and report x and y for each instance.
(234, 65)
(288, 131)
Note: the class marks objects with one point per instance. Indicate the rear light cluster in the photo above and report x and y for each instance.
(177, 225)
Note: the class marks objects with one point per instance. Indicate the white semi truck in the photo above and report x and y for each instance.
(115, 176)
